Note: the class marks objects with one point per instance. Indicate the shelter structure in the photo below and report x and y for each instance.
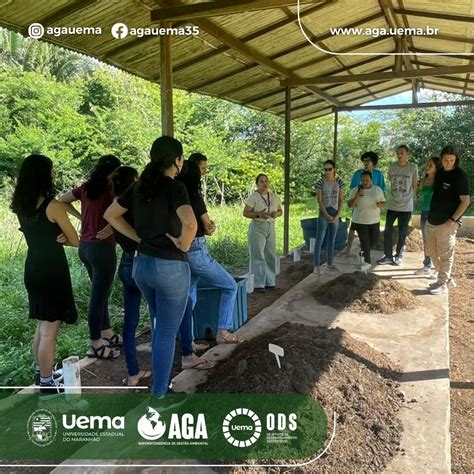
(299, 59)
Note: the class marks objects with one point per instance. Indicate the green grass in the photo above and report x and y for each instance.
(228, 246)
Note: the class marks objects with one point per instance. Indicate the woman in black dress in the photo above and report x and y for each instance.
(46, 227)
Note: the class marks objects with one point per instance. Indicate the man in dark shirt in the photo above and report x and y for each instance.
(451, 198)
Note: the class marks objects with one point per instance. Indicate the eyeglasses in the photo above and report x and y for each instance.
(328, 169)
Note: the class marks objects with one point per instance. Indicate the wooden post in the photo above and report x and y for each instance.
(166, 85)
(334, 149)
(286, 208)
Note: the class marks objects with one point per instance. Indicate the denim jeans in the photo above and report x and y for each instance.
(132, 297)
(403, 222)
(165, 285)
(423, 220)
(100, 261)
(211, 273)
(323, 227)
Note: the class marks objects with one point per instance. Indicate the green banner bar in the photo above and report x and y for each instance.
(210, 427)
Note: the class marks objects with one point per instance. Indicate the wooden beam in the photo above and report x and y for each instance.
(334, 146)
(251, 36)
(216, 8)
(286, 208)
(422, 105)
(431, 14)
(70, 9)
(295, 48)
(397, 67)
(468, 76)
(166, 86)
(462, 57)
(430, 82)
(265, 63)
(456, 39)
(414, 92)
(436, 71)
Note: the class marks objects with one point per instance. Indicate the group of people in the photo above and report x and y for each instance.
(445, 198)
(160, 221)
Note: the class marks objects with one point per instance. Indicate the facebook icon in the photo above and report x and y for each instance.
(119, 30)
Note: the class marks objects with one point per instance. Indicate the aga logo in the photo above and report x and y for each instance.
(150, 426)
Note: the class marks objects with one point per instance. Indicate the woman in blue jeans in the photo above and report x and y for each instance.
(122, 179)
(205, 267)
(165, 227)
(330, 196)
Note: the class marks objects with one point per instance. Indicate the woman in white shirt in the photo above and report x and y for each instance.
(263, 207)
(366, 201)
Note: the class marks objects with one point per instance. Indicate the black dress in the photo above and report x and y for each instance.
(47, 278)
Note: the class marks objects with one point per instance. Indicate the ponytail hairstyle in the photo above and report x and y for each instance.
(122, 178)
(190, 176)
(98, 181)
(163, 154)
(34, 180)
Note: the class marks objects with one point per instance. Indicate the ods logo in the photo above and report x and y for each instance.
(242, 427)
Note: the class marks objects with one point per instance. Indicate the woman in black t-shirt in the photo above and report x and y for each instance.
(451, 198)
(164, 227)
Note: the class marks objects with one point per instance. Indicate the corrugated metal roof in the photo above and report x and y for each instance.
(209, 64)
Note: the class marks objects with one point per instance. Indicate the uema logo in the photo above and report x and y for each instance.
(242, 427)
(41, 427)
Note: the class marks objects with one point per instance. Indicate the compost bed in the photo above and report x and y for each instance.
(346, 376)
(365, 293)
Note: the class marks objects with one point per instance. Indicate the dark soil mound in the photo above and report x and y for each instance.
(299, 270)
(346, 376)
(363, 293)
(413, 243)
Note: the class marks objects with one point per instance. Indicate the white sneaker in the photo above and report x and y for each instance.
(451, 283)
(440, 289)
(317, 271)
(365, 267)
(425, 271)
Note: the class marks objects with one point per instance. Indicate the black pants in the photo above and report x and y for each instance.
(368, 236)
(100, 261)
(403, 221)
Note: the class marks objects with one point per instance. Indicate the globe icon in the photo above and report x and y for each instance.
(150, 426)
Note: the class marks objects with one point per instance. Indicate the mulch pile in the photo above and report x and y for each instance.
(365, 293)
(343, 374)
(299, 270)
(413, 242)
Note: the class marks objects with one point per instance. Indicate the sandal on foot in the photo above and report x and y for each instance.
(229, 338)
(100, 351)
(143, 374)
(200, 346)
(201, 364)
(114, 341)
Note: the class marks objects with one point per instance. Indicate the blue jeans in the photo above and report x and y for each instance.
(323, 227)
(210, 273)
(132, 297)
(100, 261)
(165, 285)
(423, 220)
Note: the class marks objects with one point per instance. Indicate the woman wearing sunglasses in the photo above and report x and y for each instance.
(330, 196)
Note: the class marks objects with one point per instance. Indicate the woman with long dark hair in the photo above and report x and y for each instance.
(122, 178)
(205, 267)
(425, 187)
(97, 252)
(46, 227)
(165, 227)
(450, 200)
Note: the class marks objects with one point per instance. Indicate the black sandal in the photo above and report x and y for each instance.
(100, 351)
(113, 341)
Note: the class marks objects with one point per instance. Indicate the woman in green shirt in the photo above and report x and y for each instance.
(425, 187)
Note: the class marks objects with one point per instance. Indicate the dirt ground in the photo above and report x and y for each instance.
(345, 375)
(461, 302)
(461, 320)
(365, 293)
(413, 243)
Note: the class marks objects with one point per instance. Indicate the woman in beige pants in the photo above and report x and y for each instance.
(263, 207)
